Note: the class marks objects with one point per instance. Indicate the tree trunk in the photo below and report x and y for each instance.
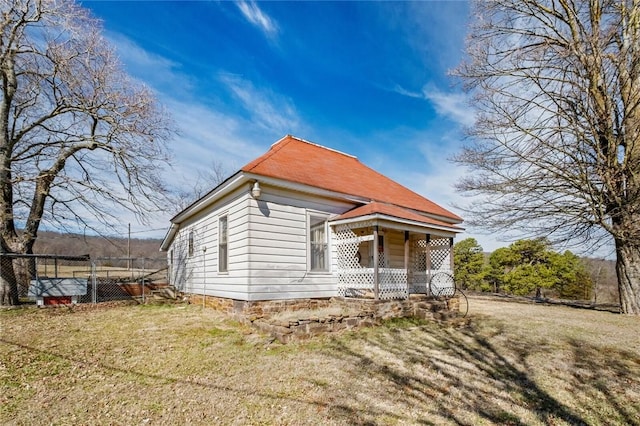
(14, 273)
(8, 282)
(628, 272)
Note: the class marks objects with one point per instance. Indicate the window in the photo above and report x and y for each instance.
(223, 251)
(318, 244)
(190, 243)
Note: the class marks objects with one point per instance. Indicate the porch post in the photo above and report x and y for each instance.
(376, 282)
(451, 253)
(428, 261)
(406, 258)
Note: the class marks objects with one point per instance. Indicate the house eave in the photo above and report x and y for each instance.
(226, 187)
(229, 185)
(168, 238)
(398, 223)
(240, 178)
(313, 190)
(307, 189)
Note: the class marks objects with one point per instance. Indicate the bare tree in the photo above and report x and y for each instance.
(204, 182)
(79, 139)
(555, 149)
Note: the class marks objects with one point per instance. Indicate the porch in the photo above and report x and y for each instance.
(388, 259)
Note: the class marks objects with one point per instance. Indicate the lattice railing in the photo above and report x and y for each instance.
(392, 283)
(440, 254)
(419, 280)
(355, 280)
(439, 261)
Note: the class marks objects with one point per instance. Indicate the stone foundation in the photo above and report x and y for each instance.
(297, 319)
(252, 310)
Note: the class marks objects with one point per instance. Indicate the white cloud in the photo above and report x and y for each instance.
(404, 92)
(453, 105)
(266, 108)
(207, 135)
(257, 17)
(159, 72)
(209, 130)
(210, 133)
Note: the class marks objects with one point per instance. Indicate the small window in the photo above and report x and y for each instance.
(318, 244)
(223, 251)
(190, 243)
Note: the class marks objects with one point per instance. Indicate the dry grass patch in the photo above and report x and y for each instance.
(511, 364)
(314, 313)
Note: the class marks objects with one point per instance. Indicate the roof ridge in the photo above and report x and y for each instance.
(317, 145)
(272, 151)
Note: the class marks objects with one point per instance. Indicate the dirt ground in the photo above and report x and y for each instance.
(510, 363)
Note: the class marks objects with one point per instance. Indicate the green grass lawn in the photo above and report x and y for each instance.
(510, 364)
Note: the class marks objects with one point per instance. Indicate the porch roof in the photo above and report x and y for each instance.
(390, 211)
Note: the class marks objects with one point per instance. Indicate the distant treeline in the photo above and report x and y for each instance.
(96, 246)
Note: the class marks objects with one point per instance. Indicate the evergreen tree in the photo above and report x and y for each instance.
(574, 281)
(528, 267)
(495, 271)
(469, 264)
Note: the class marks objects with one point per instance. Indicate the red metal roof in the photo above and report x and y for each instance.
(307, 163)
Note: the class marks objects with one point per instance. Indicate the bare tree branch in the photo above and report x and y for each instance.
(79, 139)
(555, 148)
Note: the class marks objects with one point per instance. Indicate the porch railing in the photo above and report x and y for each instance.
(394, 283)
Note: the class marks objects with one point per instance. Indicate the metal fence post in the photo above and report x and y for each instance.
(144, 271)
(94, 283)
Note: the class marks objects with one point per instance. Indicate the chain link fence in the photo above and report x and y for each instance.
(55, 280)
(128, 278)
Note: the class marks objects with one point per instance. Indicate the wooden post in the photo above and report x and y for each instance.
(406, 259)
(451, 254)
(427, 255)
(376, 281)
(129, 251)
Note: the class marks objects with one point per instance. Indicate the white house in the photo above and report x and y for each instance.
(306, 221)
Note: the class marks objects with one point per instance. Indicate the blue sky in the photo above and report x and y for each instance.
(366, 78)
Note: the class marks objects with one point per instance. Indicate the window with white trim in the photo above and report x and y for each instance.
(223, 249)
(318, 244)
(190, 243)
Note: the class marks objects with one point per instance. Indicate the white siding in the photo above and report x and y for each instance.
(278, 249)
(199, 273)
(395, 248)
(267, 247)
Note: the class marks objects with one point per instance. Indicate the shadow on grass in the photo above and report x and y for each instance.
(161, 379)
(426, 373)
(476, 374)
